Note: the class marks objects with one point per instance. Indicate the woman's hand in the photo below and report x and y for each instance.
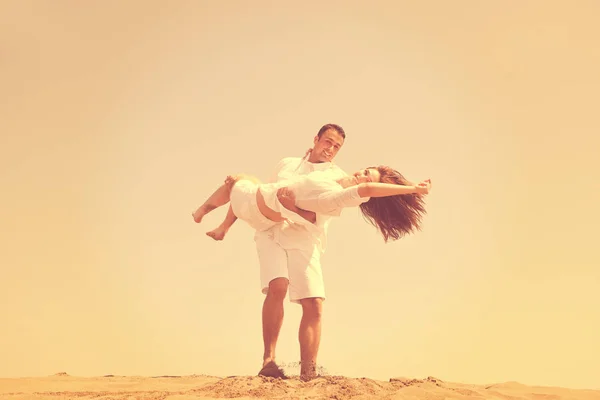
(424, 187)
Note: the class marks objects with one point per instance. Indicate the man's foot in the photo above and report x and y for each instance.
(308, 377)
(271, 370)
(218, 233)
(198, 214)
(308, 371)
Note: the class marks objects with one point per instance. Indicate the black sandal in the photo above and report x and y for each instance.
(272, 370)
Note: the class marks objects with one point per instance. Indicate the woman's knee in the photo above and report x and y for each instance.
(231, 180)
(246, 177)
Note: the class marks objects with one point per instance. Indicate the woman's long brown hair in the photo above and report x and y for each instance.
(394, 216)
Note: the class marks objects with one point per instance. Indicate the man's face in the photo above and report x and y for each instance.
(326, 146)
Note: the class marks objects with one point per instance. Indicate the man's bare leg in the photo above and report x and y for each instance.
(272, 318)
(220, 232)
(217, 199)
(309, 336)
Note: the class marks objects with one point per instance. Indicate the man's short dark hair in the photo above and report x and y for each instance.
(335, 127)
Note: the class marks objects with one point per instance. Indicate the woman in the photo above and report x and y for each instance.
(386, 199)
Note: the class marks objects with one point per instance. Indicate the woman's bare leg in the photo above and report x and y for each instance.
(217, 199)
(220, 232)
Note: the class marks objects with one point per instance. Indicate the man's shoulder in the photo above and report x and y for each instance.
(287, 160)
(285, 167)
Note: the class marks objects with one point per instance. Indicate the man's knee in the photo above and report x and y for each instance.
(278, 288)
(312, 307)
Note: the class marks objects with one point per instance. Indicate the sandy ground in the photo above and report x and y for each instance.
(63, 386)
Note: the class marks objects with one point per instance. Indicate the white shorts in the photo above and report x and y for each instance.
(301, 267)
(243, 203)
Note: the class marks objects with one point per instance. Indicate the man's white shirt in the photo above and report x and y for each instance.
(315, 187)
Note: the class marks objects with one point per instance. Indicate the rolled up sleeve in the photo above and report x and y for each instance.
(334, 200)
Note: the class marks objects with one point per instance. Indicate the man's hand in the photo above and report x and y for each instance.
(287, 198)
(424, 187)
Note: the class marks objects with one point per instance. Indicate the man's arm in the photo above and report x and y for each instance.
(287, 199)
(307, 215)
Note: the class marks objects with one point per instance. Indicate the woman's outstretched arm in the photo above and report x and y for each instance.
(377, 189)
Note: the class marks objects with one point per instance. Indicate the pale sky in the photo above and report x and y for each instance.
(117, 119)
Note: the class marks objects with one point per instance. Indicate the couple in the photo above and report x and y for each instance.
(291, 214)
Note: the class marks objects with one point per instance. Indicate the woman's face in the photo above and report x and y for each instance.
(362, 176)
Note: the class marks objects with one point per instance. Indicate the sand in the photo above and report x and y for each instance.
(63, 386)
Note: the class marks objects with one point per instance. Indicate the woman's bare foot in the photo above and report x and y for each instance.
(198, 214)
(218, 233)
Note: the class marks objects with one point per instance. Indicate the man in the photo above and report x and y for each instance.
(289, 257)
